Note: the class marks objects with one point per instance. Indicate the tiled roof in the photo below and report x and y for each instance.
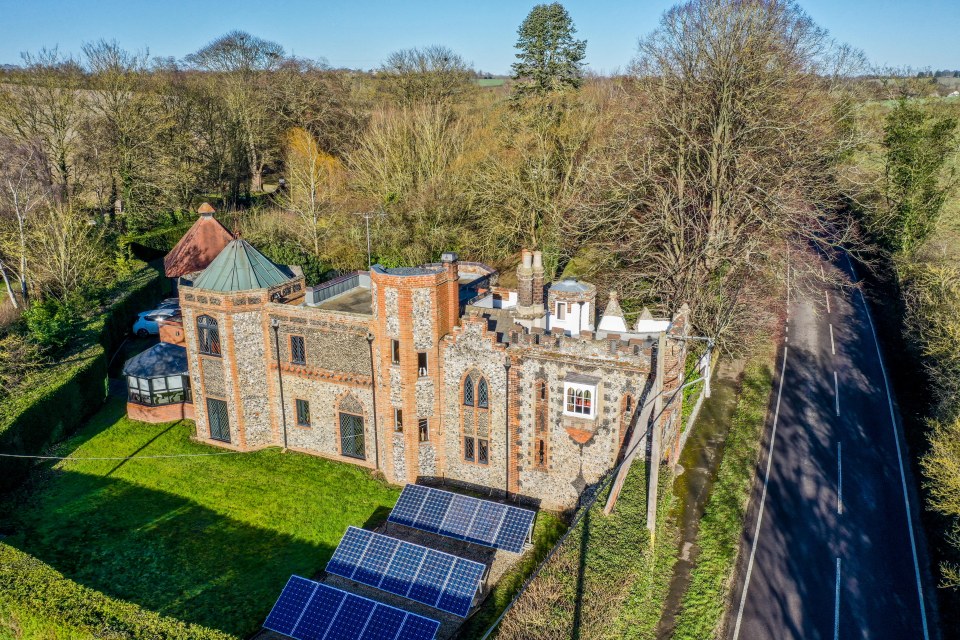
(240, 267)
(198, 247)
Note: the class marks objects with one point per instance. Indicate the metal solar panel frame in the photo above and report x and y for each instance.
(415, 521)
(408, 618)
(457, 565)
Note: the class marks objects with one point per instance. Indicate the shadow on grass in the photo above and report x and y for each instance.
(166, 553)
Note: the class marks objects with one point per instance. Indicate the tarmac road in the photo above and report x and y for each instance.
(832, 547)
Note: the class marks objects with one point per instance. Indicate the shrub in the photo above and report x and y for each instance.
(51, 323)
(36, 588)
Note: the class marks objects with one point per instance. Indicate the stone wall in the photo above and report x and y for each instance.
(323, 435)
(580, 451)
(472, 348)
(248, 352)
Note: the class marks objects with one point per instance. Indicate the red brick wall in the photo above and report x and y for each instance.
(165, 413)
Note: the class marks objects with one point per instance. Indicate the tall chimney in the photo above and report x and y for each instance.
(525, 279)
(537, 278)
(452, 314)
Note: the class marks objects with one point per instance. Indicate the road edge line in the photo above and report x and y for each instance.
(763, 498)
(896, 439)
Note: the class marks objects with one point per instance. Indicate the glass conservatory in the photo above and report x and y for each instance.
(158, 376)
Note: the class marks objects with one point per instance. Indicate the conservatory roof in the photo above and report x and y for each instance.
(163, 359)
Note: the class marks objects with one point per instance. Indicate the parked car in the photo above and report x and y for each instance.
(146, 323)
(169, 303)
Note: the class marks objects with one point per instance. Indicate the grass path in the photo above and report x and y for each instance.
(210, 540)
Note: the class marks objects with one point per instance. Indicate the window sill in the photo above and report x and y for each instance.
(580, 416)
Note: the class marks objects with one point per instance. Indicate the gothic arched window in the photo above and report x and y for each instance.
(475, 419)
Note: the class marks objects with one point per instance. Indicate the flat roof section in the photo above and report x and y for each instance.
(356, 300)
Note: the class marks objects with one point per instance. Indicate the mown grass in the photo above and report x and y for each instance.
(209, 540)
(718, 538)
(605, 581)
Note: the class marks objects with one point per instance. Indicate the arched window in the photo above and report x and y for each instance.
(208, 336)
(475, 419)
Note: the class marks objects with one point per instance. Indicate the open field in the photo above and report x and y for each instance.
(210, 540)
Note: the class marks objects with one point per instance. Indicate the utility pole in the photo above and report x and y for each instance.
(367, 217)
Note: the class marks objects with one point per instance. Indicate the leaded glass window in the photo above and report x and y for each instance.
(482, 400)
(303, 413)
(208, 336)
(298, 351)
(351, 436)
(218, 420)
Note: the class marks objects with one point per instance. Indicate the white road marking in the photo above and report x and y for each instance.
(827, 296)
(839, 480)
(763, 499)
(896, 439)
(836, 392)
(836, 606)
(833, 346)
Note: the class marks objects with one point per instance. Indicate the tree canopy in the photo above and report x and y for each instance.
(549, 57)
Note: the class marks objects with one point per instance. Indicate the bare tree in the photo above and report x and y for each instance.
(429, 75)
(24, 187)
(314, 179)
(736, 158)
(242, 64)
(42, 104)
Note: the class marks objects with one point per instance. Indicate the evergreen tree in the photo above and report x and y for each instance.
(550, 59)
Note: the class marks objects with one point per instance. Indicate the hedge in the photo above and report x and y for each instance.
(53, 404)
(27, 582)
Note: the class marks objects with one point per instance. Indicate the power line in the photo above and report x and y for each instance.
(584, 509)
(73, 459)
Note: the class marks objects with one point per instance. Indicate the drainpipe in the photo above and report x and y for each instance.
(506, 476)
(283, 407)
(373, 386)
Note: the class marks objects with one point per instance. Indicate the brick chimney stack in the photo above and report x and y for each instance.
(537, 278)
(450, 264)
(525, 279)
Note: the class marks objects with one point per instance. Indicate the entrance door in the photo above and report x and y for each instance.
(218, 420)
(351, 436)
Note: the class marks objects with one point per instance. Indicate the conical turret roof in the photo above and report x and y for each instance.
(198, 246)
(240, 267)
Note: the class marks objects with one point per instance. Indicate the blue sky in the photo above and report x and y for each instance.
(361, 34)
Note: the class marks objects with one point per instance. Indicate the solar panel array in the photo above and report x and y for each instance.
(437, 579)
(308, 610)
(457, 516)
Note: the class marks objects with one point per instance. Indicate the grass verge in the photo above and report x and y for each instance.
(718, 538)
(605, 581)
(208, 540)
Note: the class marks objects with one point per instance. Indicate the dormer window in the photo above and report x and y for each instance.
(580, 396)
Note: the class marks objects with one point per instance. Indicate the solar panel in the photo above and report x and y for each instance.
(308, 610)
(432, 577)
(483, 522)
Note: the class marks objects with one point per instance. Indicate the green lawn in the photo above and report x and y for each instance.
(210, 540)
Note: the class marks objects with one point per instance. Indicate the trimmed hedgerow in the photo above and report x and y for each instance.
(37, 590)
(52, 403)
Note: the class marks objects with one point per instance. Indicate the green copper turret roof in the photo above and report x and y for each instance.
(240, 267)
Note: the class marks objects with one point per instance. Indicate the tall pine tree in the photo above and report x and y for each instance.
(550, 58)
